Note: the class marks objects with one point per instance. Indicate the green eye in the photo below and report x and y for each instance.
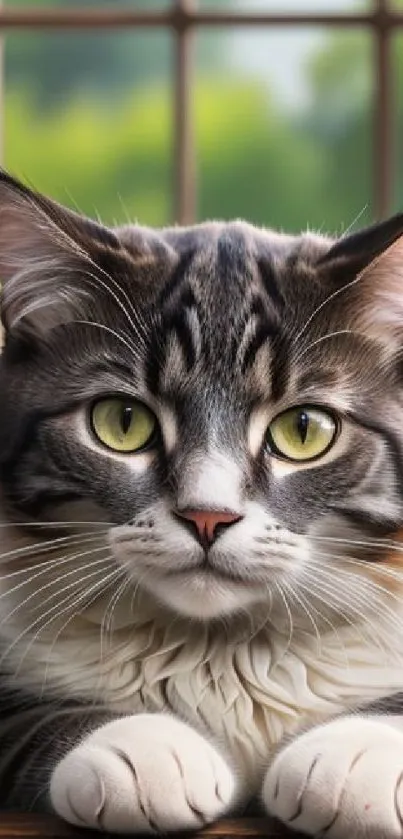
(302, 433)
(123, 425)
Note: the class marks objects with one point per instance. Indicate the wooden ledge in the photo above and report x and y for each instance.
(28, 826)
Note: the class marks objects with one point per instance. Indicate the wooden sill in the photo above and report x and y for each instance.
(28, 826)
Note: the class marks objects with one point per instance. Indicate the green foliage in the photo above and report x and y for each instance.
(118, 163)
(115, 164)
(92, 114)
(57, 65)
(340, 118)
(251, 163)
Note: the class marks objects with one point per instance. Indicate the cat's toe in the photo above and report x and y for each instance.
(143, 774)
(344, 779)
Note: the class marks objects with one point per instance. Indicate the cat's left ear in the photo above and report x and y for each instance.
(49, 259)
(367, 268)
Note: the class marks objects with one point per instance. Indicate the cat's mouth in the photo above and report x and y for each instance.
(204, 591)
(208, 571)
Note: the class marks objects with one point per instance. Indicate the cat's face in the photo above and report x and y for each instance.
(228, 399)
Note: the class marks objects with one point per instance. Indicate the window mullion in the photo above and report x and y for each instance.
(184, 142)
(383, 112)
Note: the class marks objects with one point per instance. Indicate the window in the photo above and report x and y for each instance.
(207, 137)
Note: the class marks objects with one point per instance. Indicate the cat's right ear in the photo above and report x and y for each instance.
(49, 260)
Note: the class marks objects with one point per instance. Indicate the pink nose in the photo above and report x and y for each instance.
(206, 522)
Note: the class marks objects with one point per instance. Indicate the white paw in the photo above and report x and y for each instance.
(340, 780)
(142, 774)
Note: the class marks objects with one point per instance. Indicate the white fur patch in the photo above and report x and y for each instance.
(246, 688)
(143, 774)
(212, 482)
(168, 426)
(342, 779)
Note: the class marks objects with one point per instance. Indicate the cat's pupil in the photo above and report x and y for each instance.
(302, 426)
(126, 418)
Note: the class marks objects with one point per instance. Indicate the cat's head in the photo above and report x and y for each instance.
(228, 399)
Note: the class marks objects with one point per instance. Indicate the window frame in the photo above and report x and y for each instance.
(184, 18)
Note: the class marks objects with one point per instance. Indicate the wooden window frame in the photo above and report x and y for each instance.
(183, 19)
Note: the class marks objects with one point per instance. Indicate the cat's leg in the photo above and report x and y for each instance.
(343, 779)
(142, 773)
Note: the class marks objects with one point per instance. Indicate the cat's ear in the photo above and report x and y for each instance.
(48, 255)
(368, 269)
(357, 251)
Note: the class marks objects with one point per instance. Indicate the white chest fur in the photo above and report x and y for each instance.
(247, 691)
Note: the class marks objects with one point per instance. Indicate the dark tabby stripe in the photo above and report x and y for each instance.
(264, 332)
(268, 278)
(174, 282)
(178, 326)
(392, 441)
(171, 318)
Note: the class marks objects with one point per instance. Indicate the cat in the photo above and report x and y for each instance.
(201, 514)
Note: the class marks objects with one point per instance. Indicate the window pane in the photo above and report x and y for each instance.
(284, 127)
(89, 130)
(289, 6)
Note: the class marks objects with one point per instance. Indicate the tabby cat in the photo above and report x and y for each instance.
(201, 468)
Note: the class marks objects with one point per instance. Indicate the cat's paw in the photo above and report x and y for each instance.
(142, 774)
(344, 779)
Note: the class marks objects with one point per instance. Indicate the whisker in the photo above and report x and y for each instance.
(115, 598)
(363, 564)
(302, 602)
(354, 222)
(51, 583)
(74, 601)
(87, 259)
(369, 587)
(336, 605)
(137, 588)
(323, 617)
(386, 544)
(51, 524)
(55, 608)
(106, 622)
(370, 584)
(317, 585)
(42, 567)
(109, 580)
(113, 605)
(111, 281)
(118, 301)
(39, 548)
(131, 347)
(324, 303)
(320, 340)
(289, 616)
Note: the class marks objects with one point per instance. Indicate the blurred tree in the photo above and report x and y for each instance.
(251, 164)
(340, 118)
(256, 159)
(313, 165)
(57, 65)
